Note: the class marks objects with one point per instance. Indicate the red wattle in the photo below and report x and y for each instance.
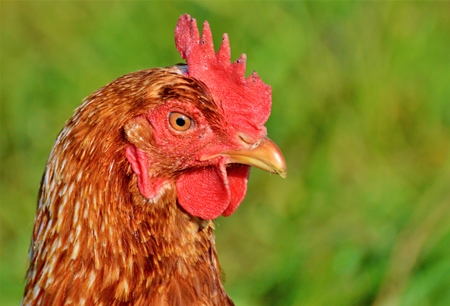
(208, 193)
(237, 180)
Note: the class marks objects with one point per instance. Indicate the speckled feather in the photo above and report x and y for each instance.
(96, 239)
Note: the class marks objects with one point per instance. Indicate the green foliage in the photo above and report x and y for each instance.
(361, 109)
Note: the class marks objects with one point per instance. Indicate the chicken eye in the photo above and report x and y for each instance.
(180, 122)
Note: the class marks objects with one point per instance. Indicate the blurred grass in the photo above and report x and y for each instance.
(361, 109)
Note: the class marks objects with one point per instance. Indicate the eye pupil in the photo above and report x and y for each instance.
(180, 121)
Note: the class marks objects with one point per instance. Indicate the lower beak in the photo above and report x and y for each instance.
(264, 155)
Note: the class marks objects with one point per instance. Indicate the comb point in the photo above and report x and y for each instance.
(186, 35)
(224, 53)
(207, 40)
(239, 67)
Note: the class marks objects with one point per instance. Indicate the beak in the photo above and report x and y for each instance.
(265, 155)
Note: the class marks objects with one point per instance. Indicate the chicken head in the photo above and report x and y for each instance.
(206, 131)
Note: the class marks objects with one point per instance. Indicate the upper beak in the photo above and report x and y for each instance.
(264, 154)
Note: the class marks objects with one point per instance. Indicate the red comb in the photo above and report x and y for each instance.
(244, 100)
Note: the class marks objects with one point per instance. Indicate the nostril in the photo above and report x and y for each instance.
(246, 138)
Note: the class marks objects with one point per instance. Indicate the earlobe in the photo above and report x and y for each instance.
(151, 189)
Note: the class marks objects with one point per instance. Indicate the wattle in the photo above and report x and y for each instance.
(210, 192)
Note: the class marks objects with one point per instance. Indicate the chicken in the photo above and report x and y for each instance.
(137, 175)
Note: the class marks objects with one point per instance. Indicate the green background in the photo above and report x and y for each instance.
(361, 110)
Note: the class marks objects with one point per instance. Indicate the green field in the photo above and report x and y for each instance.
(361, 110)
